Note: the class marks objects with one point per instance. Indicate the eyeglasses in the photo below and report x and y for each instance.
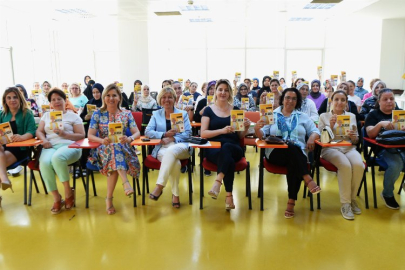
(243, 89)
(290, 98)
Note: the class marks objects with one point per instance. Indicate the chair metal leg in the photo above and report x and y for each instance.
(402, 183)
(137, 185)
(318, 196)
(248, 191)
(94, 183)
(43, 183)
(365, 189)
(134, 185)
(190, 184)
(30, 188)
(87, 186)
(144, 174)
(374, 189)
(25, 183)
(36, 185)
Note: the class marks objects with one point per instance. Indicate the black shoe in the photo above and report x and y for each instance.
(207, 173)
(390, 202)
(183, 169)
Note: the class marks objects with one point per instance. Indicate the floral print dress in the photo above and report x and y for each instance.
(116, 156)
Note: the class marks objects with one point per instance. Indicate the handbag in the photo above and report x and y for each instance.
(196, 140)
(391, 137)
(274, 140)
(326, 135)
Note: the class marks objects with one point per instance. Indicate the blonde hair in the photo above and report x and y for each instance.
(228, 84)
(205, 84)
(21, 100)
(110, 87)
(165, 90)
(70, 88)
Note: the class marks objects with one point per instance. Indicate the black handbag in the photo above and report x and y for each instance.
(274, 140)
(391, 137)
(196, 140)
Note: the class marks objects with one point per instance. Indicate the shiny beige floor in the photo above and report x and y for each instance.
(158, 236)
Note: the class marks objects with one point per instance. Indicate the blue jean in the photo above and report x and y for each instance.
(395, 162)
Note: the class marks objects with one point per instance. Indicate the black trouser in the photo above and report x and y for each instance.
(225, 158)
(296, 162)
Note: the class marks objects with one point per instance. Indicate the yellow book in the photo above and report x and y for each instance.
(266, 113)
(66, 92)
(403, 76)
(306, 82)
(45, 108)
(294, 75)
(210, 100)
(35, 93)
(343, 77)
(343, 125)
(29, 104)
(137, 90)
(180, 80)
(120, 86)
(244, 103)
(280, 88)
(270, 98)
(276, 74)
(319, 71)
(238, 76)
(115, 132)
(334, 80)
(177, 122)
(5, 133)
(56, 118)
(398, 119)
(91, 109)
(237, 120)
(186, 100)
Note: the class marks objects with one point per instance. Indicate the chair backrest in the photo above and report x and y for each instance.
(253, 116)
(138, 119)
(153, 94)
(146, 115)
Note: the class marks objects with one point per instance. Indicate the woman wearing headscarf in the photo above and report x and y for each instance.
(243, 93)
(202, 104)
(145, 101)
(95, 100)
(359, 90)
(32, 104)
(256, 86)
(265, 88)
(88, 92)
(315, 95)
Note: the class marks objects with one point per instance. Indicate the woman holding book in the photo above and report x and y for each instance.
(179, 103)
(145, 101)
(294, 126)
(216, 126)
(274, 85)
(56, 156)
(22, 124)
(172, 148)
(95, 101)
(77, 98)
(381, 119)
(346, 158)
(117, 159)
(243, 94)
(204, 102)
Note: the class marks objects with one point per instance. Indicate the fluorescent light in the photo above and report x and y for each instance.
(319, 6)
(201, 20)
(300, 19)
(194, 8)
(168, 13)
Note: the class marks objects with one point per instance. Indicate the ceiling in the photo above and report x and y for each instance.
(218, 10)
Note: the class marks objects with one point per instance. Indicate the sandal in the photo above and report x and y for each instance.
(214, 194)
(315, 188)
(57, 206)
(288, 213)
(7, 185)
(175, 204)
(229, 206)
(128, 191)
(110, 210)
(70, 202)
(154, 197)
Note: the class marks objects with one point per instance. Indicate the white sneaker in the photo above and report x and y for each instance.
(15, 171)
(355, 208)
(346, 211)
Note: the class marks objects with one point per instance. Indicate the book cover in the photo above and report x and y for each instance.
(276, 74)
(343, 125)
(238, 76)
(210, 100)
(334, 80)
(5, 133)
(398, 119)
(91, 109)
(294, 75)
(177, 122)
(244, 103)
(115, 132)
(270, 98)
(266, 113)
(137, 90)
(56, 118)
(45, 108)
(319, 71)
(120, 86)
(343, 76)
(180, 80)
(29, 104)
(186, 100)
(35, 93)
(237, 120)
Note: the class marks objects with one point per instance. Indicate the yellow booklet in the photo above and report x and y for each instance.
(56, 120)
(66, 91)
(120, 86)
(398, 119)
(137, 90)
(343, 125)
(294, 75)
(210, 100)
(244, 103)
(91, 109)
(319, 71)
(343, 77)
(36, 93)
(237, 120)
(45, 108)
(270, 98)
(334, 80)
(276, 74)
(180, 80)
(238, 76)
(29, 104)
(266, 113)
(186, 100)
(5, 133)
(177, 122)
(115, 132)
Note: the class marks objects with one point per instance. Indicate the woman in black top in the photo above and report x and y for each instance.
(215, 126)
(266, 87)
(202, 104)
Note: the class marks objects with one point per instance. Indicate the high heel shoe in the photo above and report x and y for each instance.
(110, 210)
(5, 186)
(175, 204)
(229, 206)
(70, 202)
(315, 188)
(57, 206)
(154, 197)
(289, 213)
(128, 191)
(214, 194)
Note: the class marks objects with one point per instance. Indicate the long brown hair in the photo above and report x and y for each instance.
(23, 103)
(110, 87)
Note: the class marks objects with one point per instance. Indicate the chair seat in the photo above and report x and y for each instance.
(250, 141)
(241, 165)
(92, 167)
(153, 163)
(327, 165)
(33, 166)
(276, 169)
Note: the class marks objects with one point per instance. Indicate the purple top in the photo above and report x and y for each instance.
(317, 101)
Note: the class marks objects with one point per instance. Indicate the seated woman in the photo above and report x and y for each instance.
(348, 161)
(172, 149)
(199, 111)
(215, 126)
(22, 123)
(118, 158)
(274, 84)
(377, 120)
(292, 125)
(193, 92)
(352, 97)
(145, 101)
(315, 95)
(308, 106)
(189, 108)
(56, 156)
(96, 100)
(243, 93)
(31, 102)
(77, 98)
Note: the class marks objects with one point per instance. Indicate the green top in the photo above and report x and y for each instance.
(24, 124)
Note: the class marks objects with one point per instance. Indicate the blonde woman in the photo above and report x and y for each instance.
(77, 99)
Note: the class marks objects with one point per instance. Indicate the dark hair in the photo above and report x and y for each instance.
(21, 100)
(296, 81)
(295, 90)
(340, 92)
(42, 86)
(382, 91)
(352, 82)
(57, 91)
(85, 79)
(23, 89)
(167, 81)
(91, 82)
(137, 81)
(274, 80)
